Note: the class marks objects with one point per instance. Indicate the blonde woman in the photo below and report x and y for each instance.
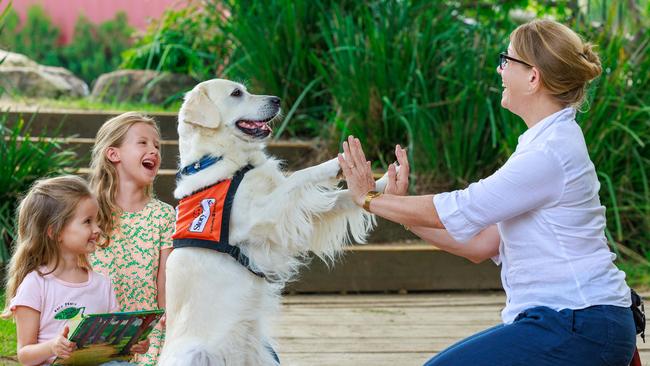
(125, 162)
(539, 217)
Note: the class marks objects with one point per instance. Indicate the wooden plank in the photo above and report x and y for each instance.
(384, 329)
(443, 299)
(295, 154)
(645, 357)
(455, 331)
(420, 269)
(84, 123)
(319, 358)
(365, 344)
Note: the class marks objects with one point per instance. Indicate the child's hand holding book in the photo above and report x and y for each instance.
(141, 347)
(61, 346)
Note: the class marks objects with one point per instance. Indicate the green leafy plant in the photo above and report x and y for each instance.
(38, 38)
(96, 49)
(24, 159)
(188, 41)
(93, 50)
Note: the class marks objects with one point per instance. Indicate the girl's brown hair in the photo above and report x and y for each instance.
(565, 62)
(103, 176)
(42, 215)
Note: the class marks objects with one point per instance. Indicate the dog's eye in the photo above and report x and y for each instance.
(236, 93)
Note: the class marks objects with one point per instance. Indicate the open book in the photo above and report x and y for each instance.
(107, 337)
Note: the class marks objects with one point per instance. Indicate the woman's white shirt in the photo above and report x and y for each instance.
(545, 203)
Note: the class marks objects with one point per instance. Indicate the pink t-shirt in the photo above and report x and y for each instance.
(49, 295)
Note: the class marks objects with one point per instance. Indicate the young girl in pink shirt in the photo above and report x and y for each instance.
(49, 271)
(125, 161)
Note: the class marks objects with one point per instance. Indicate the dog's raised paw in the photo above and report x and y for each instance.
(330, 169)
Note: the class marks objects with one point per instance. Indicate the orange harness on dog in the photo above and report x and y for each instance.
(203, 219)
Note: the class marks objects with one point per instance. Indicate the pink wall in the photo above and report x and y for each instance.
(64, 13)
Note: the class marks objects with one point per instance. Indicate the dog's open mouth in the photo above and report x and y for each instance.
(257, 129)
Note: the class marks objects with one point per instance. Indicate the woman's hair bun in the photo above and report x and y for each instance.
(592, 58)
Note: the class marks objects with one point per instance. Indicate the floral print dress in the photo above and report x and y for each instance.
(131, 260)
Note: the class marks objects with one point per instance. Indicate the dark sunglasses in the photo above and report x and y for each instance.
(504, 58)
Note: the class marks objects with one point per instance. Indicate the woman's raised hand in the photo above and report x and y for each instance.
(356, 169)
(398, 179)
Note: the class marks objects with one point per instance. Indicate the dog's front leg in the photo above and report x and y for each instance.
(320, 173)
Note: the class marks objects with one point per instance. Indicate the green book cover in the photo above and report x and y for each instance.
(106, 337)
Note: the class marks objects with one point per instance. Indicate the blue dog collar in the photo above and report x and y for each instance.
(204, 162)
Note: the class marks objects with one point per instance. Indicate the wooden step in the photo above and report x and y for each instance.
(396, 267)
(295, 154)
(83, 123)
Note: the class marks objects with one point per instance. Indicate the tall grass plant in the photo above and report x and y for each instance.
(423, 74)
(24, 159)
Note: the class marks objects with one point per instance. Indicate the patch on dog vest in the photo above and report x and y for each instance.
(201, 214)
(203, 217)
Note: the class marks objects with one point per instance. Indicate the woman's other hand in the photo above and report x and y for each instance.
(356, 170)
(398, 179)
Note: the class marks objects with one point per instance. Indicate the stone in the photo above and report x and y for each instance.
(16, 59)
(20, 75)
(141, 86)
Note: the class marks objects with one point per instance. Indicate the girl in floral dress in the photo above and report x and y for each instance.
(138, 227)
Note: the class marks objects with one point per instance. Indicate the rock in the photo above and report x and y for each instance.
(22, 76)
(16, 59)
(141, 86)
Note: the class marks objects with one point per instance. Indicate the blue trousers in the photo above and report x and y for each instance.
(598, 335)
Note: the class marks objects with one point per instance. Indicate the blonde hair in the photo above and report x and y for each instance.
(565, 62)
(103, 175)
(42, 214)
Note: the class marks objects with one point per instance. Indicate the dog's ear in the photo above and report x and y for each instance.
(199, 109)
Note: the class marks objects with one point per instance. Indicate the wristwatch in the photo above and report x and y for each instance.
(369, 196)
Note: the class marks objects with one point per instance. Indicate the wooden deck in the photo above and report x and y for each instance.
(378, 330)
(395, 330)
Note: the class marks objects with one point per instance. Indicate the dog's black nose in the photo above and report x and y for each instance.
(275, 100)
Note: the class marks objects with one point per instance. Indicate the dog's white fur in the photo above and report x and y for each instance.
(218, 313)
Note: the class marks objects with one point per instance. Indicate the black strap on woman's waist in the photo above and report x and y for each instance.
(638, 310)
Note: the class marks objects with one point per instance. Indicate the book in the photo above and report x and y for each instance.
(106, 337)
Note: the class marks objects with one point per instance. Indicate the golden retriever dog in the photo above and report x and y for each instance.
(223, 290)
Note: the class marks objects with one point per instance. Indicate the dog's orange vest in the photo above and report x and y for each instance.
(200, 215)
(203, 219)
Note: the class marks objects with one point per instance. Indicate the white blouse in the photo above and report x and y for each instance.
(545, 203)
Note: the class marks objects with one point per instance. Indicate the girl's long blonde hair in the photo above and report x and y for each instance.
(103, 175)
(42, 215)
